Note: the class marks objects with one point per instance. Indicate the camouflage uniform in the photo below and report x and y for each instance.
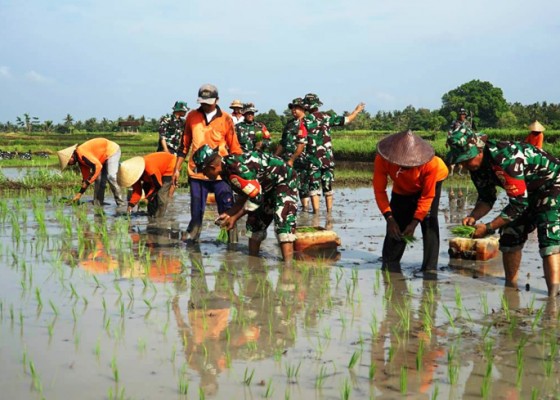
(320, 152)
(289, 142)
(271, 187)
(247, 134)
(530, 177)
(171, 129)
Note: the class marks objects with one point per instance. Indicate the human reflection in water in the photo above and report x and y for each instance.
(457, 199)
(402, 332)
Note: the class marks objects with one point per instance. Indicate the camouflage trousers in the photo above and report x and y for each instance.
(302, 170)
(542, 214)
(280, 205)
(321, 178)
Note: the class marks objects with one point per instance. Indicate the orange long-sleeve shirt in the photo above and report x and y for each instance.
(407, 182)
(536, 140)
(158, 165)
(219, 131)
(92, 155)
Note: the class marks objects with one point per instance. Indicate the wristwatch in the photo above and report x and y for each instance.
(489, 229)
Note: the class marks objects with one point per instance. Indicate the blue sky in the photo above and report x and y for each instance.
(98, 58)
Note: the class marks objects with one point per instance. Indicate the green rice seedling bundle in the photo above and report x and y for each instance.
(463, 231)
(223, 236)
(409, 239)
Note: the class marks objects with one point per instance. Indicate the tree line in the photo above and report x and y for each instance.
(485, 105)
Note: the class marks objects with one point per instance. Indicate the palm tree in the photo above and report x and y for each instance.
(48, 126)
(69, 122)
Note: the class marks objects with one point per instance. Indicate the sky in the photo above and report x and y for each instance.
(111, 58)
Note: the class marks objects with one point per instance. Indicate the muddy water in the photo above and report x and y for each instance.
(96, 306)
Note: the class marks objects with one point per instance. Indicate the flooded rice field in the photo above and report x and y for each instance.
(97, 306)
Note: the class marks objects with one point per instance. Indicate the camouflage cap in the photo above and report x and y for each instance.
(462, 111)
(249, 107)
(298, 101)
(180, 106)
(464, 145)
(312, 101)
(204, 156)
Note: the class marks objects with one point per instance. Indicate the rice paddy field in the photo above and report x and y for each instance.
(97, 305)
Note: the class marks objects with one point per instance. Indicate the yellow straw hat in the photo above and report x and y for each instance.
(65, 155)
(236, 103)
(536, 127)
(130, 171)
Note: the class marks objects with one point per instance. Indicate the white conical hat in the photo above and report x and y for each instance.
(65, 155)
(130, 171)
(536, 127)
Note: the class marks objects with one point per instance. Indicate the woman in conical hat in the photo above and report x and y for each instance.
(417, 176)
(152, 173)
(98, 160)
(536, 135)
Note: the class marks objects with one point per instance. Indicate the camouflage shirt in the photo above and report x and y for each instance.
(171, 129)
(248, 135)
(291, 138)
(255, 174)
(319, 142)
(526, 173)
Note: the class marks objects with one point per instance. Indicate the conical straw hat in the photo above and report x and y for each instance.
(536, 127)
(130, 171)
(405, 149)
(65, 155)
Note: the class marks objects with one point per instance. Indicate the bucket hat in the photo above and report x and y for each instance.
(536, 127)
(180, 106)
(312, 101)
(405, 149)
(249, 107)
(464, 144)
(130, 171)
(65, 155)
(298, 101)
(203, 156)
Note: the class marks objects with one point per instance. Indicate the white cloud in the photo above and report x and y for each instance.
(5, 72)
(36, 77)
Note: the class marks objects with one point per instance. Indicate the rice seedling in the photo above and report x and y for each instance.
(463, 231)
(201, 395)
(520, 358)
(371, 371)
(54, 308)
(38, 297)
(97, 349)
(449, 316)
(486, 381)
(537, 318)
(248, 376)
(505, 307)
(435, 393)
(269, 389)
(534, 393)
(346, 390)
(35, 380)
(452, 367)
(115, 369)
(183, 385)
(419, 355)
(404, 380)
(292, 372)
(354, 359)
(484, 303)
(321, 377)
(409, 239)
(458, 298)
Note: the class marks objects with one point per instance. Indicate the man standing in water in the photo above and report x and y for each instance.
(207, 125)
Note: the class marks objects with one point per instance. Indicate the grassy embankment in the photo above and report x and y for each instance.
(354, 150)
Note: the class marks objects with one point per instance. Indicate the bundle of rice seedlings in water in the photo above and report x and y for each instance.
(408, 239)
(223, 236)
(304, 229)
(463, 231)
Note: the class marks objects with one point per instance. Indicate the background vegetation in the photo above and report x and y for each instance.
(485, 103)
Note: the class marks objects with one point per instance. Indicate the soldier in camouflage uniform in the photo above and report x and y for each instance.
(267, 191)
(319, 148)
(252, 135)
(171, 128)
(459, 123)
(531, 179)
(292, 148)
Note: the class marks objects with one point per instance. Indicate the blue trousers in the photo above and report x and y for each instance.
(199, 190)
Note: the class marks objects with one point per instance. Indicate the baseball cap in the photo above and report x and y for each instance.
(207, 94)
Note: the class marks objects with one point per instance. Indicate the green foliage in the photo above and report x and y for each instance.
(485, 101)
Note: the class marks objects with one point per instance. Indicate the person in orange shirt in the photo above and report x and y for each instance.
(151, 173)
(417, 176)
(536, 136)
(211, 126)
(98, 160)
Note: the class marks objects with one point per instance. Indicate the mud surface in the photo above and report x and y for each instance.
(97, 306)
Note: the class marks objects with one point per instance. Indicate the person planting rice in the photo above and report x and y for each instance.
(531, 179)
(267, 189)
(98, 160)
(152, 173)
(417, 177)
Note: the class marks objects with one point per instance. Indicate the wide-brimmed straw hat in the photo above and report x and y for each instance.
(130, 171)
(405, 149)
(65, 155)
(536, 127)
(236, 104)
